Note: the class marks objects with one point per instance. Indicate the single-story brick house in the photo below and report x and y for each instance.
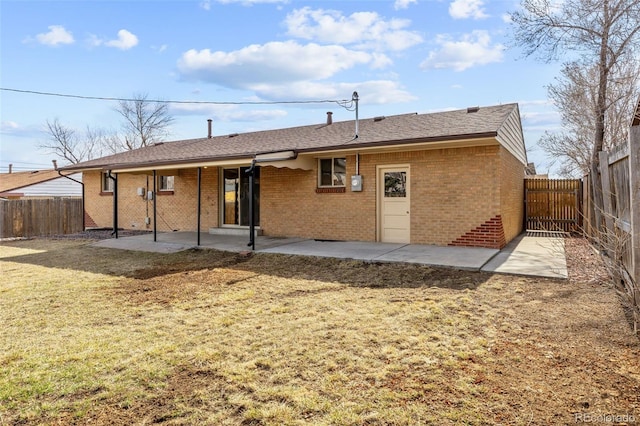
(447, 178)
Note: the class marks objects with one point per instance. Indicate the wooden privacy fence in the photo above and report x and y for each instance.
(616, 228)
(553, 204)
(40, 217)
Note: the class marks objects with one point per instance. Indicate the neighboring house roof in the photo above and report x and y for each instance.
(501, 122)
(39, 183)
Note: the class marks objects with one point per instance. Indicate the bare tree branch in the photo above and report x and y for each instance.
(144, 122)
(602, 34)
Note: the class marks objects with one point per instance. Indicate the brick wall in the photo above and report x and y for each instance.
(511, 194)
(453, 191)
(290, 205)
(463, 196)
(175, 210)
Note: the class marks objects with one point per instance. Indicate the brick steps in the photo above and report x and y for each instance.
(489, 235)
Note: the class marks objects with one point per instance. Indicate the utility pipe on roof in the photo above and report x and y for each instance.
(355, 98)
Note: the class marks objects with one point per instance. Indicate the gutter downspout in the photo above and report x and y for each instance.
(252, 224)
(199, 200)
(82, 184)
(114, 178)
(155, 212)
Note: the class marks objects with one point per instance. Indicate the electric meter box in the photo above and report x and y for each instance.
(356, 183)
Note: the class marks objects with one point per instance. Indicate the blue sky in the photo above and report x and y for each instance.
(400, 56)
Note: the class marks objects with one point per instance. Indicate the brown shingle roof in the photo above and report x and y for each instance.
(392, 130)
(12, 181)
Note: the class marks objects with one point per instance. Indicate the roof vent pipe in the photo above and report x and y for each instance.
(329, 117)
(355, 99)
(10, 168)
(209, 126)
(55, 164)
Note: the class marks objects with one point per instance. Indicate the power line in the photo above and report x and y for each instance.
(103, 98)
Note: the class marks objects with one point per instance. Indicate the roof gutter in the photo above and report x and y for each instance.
(400, 142)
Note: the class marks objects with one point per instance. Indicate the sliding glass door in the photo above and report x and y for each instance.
(236, 196)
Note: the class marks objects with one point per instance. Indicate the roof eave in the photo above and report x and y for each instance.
(398, 142)
(247, 157)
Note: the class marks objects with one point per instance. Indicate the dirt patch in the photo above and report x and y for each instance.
(220, 338)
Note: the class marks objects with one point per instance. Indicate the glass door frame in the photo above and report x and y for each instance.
(222, 201)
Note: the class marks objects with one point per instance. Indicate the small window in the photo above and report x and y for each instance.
(107, 183)
(395, 184)
(332, 172)
(166, 183)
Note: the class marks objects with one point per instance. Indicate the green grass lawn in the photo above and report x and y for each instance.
(100, 336)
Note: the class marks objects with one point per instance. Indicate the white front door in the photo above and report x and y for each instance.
(394, 203)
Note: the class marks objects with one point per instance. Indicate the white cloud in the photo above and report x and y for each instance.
(456, 86)
(371, 92)
(57, 35)
(206, 4)
(463, 9)
(13, 128)
(271, 63)
(403, 4)
(362, 29)
(8, 126)
(125, 41)
(471, 50)
(160, 49)
(228, 113)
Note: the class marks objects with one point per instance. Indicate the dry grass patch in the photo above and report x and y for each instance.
(104, 336)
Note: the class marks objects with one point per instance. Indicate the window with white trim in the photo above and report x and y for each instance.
(165, 183)
(332, 172)
(107, 183)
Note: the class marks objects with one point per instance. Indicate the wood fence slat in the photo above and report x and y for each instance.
(553, 204)
(40, 217)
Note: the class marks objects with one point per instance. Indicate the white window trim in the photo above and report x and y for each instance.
(104, 178)
(320, 185)
(160, 188)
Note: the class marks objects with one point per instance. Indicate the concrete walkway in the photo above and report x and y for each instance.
(526, 255)
(542, 256)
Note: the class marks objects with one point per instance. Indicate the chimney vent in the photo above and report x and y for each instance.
(55, 164)
(10, 168)
(329, 117)
(209, 121)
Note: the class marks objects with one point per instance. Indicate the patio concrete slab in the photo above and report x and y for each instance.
(472, 258)
(531, 255)
(525, 255)
(171, 242)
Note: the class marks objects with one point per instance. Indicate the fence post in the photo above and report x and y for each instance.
(634, 191)
(605, 179)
